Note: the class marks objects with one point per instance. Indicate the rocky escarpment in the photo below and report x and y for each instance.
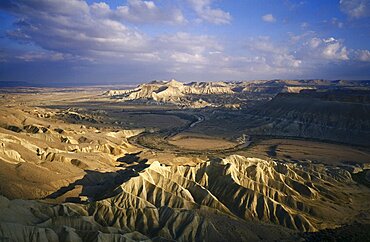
(174, 92)
(171, 90)
(224, 94)
(337, 116)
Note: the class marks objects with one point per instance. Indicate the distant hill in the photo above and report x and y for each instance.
(338, 115)
(224, 94)
(17, 84)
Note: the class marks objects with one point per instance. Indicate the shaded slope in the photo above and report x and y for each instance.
(40, 153)
(336, 116)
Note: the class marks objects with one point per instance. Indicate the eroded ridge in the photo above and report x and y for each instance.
(203, 201)
(294, 196)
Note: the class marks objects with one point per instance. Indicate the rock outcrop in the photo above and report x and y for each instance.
(341, 116)
(264, 200)
(223, 94)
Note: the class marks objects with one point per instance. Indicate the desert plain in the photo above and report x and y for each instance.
(168, 161)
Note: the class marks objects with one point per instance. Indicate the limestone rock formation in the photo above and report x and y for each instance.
(171, 91)
(264, 200)
(223, 94)
(332, 115)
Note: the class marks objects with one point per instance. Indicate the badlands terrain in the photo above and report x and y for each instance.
(279, 160)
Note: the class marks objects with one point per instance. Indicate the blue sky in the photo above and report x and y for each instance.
(105, 42)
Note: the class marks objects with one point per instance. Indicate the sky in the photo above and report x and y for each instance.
(125, 42)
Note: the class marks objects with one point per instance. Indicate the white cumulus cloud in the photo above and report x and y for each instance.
(363, 55)
(269, 18)
(147, 11)
(355, 8)
(205, 12)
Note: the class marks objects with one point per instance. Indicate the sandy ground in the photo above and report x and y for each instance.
(191, 141)
(288, 149)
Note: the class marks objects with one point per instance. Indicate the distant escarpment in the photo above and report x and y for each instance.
(339, 115)
(224, 94)
(187, 95)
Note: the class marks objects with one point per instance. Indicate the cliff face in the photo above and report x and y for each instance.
(338, 116)
(218, 93)
(171, 91)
